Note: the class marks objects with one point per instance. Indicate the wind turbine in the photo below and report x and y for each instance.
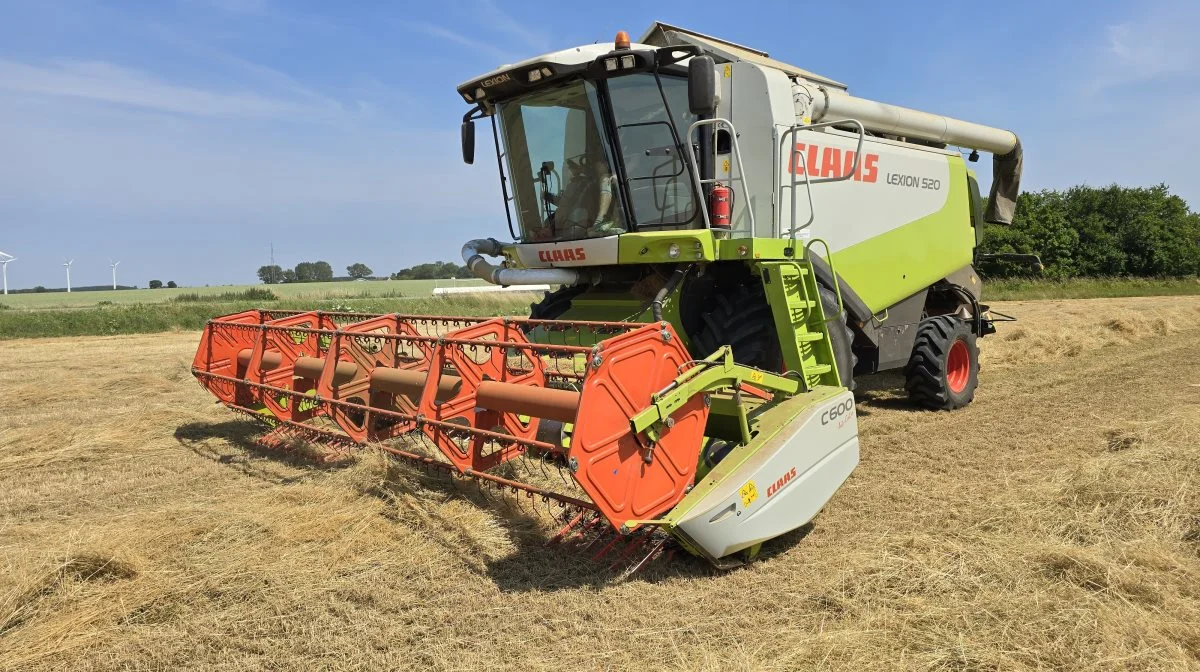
(4, 259)
(114, 265)
(68, 265)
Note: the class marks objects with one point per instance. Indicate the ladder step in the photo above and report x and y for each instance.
(817, 370)
(809, 336)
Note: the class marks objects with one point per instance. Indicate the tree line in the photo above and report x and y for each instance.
(1099, 232)
(438, 270)
(309, 271)
(321, 271)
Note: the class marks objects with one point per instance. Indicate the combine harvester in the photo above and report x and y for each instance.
(734, 239)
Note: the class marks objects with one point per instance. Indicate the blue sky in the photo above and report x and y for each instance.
(184, 137)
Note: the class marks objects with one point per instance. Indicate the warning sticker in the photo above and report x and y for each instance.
(749, 493)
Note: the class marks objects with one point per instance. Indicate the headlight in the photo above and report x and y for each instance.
(673, 251)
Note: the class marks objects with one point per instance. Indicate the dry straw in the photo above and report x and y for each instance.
(1055, 524)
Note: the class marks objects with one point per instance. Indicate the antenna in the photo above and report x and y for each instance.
(68, 265)
(114, 265)
(4, 259)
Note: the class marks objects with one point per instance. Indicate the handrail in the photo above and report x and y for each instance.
(837, 285)
(808, 181)
(737, 155)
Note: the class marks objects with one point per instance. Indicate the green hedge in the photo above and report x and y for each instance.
(1100, 232)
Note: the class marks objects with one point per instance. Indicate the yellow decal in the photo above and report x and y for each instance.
(725, 165)
(756, 376)
(728, 71)
(749, 493)
(307, 403)
(299, 337)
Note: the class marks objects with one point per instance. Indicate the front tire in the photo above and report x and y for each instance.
(840, 337)
(553, 304)
(740, 318)
(943, 370)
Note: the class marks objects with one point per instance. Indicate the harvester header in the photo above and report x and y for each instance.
(625, 417)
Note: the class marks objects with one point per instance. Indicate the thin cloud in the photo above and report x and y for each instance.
(478, 44)
(106, 82)
(246, 7)
(268, 76)
(504, 22)
(1158, 45)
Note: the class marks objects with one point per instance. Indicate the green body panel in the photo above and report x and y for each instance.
(651, 247)
(899, 263)
(757, 249)
(609, 307)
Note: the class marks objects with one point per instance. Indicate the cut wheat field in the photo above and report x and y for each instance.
(1053, 524)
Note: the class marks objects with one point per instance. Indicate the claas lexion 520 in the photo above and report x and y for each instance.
(733, 240)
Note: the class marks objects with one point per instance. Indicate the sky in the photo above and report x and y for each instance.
(185, 138)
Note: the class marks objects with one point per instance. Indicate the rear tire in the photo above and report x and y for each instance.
(943, 370)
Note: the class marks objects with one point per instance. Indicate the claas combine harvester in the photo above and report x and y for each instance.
(732, 239)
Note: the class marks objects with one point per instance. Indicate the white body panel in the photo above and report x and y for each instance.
(893, 185)
(792, 477)
(587, 252)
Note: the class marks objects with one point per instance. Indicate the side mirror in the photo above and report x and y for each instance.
(468, 141)
(702, 85)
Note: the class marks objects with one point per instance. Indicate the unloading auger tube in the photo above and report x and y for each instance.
(823, 103)
(626, 420)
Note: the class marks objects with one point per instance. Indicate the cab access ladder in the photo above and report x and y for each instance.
(792, 293)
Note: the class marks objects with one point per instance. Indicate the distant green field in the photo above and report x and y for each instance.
(307, 290)
(1034, 289)
(146, 318)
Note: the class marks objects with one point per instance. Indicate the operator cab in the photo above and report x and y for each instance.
(593, 140)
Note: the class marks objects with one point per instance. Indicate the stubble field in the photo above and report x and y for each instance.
(1053, 524)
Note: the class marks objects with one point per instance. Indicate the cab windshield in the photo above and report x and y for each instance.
(571, 180)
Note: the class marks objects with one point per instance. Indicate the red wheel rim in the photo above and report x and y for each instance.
(958, 367)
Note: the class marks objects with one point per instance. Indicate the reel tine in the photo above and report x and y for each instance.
(566, 529)
(604, 550)
(654, 550)
(635, 543)
(482, 490)
(597, 530)
(564, 478)
(582, 530)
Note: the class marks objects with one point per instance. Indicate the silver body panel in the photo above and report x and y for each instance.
(781, 486)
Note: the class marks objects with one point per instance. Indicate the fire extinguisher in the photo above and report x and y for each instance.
(720, 208)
